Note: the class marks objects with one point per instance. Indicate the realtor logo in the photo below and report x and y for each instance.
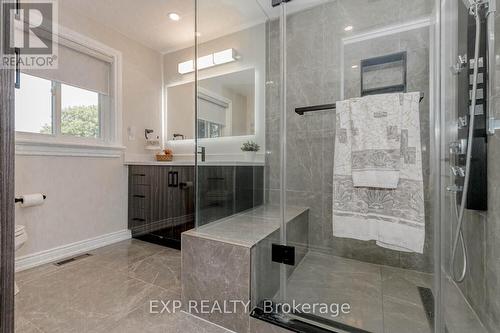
(29, 34)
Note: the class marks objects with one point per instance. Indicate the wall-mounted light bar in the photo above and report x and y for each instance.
(211, 60)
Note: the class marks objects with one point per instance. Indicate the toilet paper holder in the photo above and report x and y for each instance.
(17, 200)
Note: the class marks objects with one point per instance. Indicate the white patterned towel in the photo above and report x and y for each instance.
(376, 145)
(394, 218)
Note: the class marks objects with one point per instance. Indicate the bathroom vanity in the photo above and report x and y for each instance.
(161, 202)
(161, 197)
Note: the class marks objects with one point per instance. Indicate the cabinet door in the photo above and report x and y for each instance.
(181, 202)
(160, 197)
(216, 193)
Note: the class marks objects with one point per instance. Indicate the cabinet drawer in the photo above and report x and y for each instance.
(139, 203)
(138, 217)
(140, 175)
(140, 191)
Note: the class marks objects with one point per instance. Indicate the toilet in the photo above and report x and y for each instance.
(21, 238)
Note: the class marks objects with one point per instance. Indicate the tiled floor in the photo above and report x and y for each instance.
(110, 292)
(382, 298)
(107, 292)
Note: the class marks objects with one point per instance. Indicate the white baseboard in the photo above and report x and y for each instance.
(69, 250)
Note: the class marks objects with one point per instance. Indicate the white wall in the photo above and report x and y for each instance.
(251, 47)
(87, 197)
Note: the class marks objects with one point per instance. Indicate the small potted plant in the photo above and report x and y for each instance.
(250, 149)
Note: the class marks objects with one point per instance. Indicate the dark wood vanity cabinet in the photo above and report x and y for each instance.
(161, 202)
(162, 198)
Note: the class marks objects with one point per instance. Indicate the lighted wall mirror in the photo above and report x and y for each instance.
(226, 107)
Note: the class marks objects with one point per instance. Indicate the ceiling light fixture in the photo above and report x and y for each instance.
(210, 60)
(354, 66)
(348, 28)
(174, 16)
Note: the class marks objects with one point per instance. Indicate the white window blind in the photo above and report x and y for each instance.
(79, 66)
(212, 110)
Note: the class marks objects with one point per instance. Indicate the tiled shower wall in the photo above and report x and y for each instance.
(314, 52)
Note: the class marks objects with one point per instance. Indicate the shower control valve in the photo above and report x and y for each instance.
(460, 65)
(462, 122)
(457, 171)
(454, 188)
(458, 147)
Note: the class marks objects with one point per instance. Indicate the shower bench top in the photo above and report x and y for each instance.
(249, 227)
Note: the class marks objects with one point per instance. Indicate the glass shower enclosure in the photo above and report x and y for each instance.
(288, 76)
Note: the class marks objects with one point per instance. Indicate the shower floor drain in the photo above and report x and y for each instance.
(67, 261)
(428, 302)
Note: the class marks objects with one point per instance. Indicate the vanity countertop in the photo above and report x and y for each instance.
(191, 163)
(180, 163)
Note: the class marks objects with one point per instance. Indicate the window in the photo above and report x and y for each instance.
(43, 106)
(79, 112)
(34, 107)
(74, 109)
(208, 129)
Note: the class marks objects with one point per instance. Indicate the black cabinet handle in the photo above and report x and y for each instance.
(139, 196)
(176, 179)
(138, 219)
(173, 179)
(139, 174)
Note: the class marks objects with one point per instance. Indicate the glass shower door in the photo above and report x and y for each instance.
(342, 279)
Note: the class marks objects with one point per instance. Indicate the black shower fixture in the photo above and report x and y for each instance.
(276, 3)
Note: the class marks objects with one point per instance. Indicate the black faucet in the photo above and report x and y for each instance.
(176, 135)
(202, 152)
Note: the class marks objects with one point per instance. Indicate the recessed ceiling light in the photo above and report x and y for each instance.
(348, 28)
(354, 66)
(198, 34)
(174, 16)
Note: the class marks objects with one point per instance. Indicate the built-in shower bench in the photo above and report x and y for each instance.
(230, 259)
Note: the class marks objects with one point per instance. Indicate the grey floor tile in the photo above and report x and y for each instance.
(403, 284)
(400, 316)
(35, 273)
(104, 292)
(28, 328)
(110, 292)
(381, 297)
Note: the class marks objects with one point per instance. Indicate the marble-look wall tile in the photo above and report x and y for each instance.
(314, 38)
(411, 9)
(218, 272)
(368, 14)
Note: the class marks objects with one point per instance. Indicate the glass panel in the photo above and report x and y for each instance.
(34, 105)
(363, 248)
(230, 110)
(80, 112)
(238, 116)
(470, 300)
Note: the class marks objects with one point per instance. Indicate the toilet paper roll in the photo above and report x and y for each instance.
(30, 200)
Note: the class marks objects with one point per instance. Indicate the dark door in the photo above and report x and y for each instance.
(6, 196)
(172, 204)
